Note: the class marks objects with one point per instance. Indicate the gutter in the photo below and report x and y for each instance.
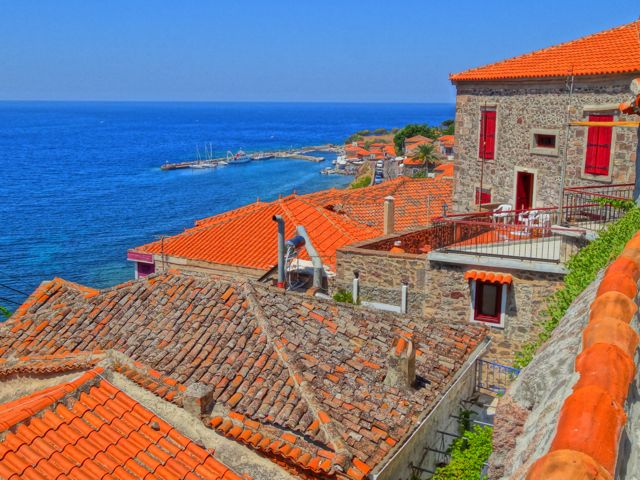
(471, 361)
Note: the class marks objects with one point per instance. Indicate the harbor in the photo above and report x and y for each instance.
(209, 161)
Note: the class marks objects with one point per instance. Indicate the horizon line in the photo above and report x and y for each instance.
(231, 101)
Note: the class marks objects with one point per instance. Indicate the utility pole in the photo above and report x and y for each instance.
(563, 166)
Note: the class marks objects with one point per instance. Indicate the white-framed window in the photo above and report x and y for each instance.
(488, 303)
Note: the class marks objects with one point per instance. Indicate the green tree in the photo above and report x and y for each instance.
(427, 153)
(412, 130)
(353, 138)
(448, 127)
(4, 313)
(380, 131)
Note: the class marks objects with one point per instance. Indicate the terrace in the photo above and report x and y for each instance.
(541, 239)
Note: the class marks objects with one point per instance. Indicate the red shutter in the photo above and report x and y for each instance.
(484, 197)
(598, 146)
(487, 134)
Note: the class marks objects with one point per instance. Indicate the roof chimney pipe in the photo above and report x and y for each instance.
(401, 364)
(389, 215)
(318, 269)
(280, 221)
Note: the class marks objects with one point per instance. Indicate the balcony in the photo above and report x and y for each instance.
(540, 239)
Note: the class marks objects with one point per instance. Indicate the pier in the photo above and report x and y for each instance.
(298, 154)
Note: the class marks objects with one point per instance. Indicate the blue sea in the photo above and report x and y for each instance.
(81, 182)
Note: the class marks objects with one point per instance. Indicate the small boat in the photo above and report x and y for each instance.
(239, 157)
(222, 163)
(207, 164)
(262, 156)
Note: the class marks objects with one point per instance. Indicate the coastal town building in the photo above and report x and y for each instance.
(500, 249)
(412, 144)
(514, 141)
(445, 145)
(243, 242)
(144, 379)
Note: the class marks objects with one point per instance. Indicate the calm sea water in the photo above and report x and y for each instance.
(81, 181)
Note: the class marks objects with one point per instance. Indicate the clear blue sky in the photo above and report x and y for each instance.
(273, 50)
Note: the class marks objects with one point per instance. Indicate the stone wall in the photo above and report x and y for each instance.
(527, 416)
(439, 291)
(440, 418)
(522, 107)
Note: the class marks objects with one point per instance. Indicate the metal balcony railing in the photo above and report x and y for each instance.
(493, 377)
(543, 234)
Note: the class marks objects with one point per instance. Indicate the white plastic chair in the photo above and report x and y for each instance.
(501, 213)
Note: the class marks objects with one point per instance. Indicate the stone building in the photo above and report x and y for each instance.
(497, 265)
(512, 116)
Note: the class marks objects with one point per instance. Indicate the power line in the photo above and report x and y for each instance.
(10, 301)
(14, 289)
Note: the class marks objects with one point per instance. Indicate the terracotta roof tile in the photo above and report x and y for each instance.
(592, 417)
(248, 236)
(87, 428)
(491, 277)
(298, 387)
(611, 51)
(333, 218)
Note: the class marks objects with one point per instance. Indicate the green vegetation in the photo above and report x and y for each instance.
(583, 268)
(360, 182)
(4, 313)
(448, 127)
(468, 453)
(427, 153)
(343, 296)
(380, 131)
(353, 138)
(411, 130)
(625, 205)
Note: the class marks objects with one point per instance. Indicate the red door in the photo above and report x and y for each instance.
(524, 190)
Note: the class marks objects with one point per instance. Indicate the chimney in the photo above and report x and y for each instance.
(389, 214)
(280, 221)
(197, 399)
(401, 364)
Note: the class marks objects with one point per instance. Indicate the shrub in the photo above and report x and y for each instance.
(361, 182)
(469, 453)
(4, 313)
(343, 296)
(583, 268)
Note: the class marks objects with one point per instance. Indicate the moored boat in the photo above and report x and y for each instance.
(239, 157)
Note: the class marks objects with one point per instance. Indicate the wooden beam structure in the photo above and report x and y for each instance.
(604, 124)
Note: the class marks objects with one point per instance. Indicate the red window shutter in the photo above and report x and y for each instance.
(598, 146)
(487, 134)
(483, 196)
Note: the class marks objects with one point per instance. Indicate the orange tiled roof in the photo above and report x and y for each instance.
(612, 51)
(418, 139)
(413, 161)
(447, 140)
(88, 429)
(417, 200)
(286, 372)
(333, 218)
(248, 236)
(592, 417)
(492, 277)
